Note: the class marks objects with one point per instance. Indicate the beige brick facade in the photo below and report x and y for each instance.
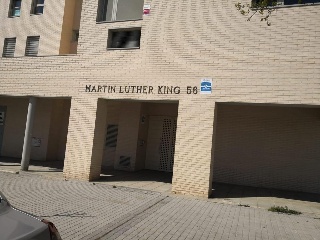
(181, 43)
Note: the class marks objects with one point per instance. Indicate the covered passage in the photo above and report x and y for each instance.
(271, 146)
(139, 137)
(48, 132)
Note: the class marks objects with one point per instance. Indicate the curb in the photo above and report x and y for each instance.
(9, 171)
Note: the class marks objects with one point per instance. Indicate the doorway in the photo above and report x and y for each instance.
(161, 143)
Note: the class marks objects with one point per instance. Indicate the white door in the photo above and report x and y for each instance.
(161, 143)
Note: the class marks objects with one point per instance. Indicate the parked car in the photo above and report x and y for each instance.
(17, 224)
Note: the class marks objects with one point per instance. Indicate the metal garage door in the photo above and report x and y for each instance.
(161, 143)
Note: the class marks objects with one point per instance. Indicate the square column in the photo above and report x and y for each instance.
(192, 171)
(85, 139)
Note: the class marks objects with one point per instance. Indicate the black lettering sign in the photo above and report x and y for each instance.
(150, 90)
(139, 89)
(160, 89)
(176, 90)
(93, 88)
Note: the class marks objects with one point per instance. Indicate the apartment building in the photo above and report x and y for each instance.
(188, 87)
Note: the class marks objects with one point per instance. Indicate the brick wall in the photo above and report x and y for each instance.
(47, 25)
(181, 42)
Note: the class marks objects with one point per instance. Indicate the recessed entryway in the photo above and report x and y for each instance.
(139, 137)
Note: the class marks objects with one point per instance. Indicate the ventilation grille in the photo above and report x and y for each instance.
(124, 161)
(9, 47)
(167, 145)
(32, 46)
(173, 144)
(112, 136)
(2, 118)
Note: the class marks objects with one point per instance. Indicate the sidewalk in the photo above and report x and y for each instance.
(183, 218)
(156, 181)
(77, 208)
(52, 169)
(83, 210)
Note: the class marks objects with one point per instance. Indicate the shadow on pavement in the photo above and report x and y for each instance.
(222, 190)
(9, 163)
(112, 175)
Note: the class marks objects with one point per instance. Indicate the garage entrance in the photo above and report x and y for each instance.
(270, 146)
(139, 136)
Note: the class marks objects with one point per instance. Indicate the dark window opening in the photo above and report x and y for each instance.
(128, 38)
(259, 2)
(119, 10)
(15, 8)
(37, 7)
(75, 35)
(104, 10)
(291, 2)
(284, 2)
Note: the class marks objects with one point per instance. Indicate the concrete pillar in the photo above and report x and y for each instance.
(28, 134)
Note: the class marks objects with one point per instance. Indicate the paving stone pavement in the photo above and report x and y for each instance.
(181, 218)
(82, 210)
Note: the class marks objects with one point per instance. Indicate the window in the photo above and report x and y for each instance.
(124, 38)
(104, 10)
(15, 7)
(291, 2)
(119, 10)
(112, 136)
(75, 35)
(285, 2)
(269, 2)
(32, 46)
(37, 6)
(9, 47)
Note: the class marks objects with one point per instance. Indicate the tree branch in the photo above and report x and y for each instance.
(264, 7)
